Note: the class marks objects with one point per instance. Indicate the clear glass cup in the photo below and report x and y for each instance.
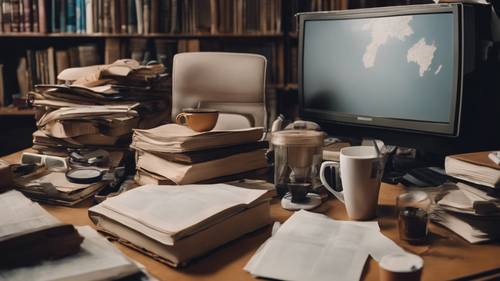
(413, 216)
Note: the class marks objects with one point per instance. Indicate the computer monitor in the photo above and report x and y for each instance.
(395, 73)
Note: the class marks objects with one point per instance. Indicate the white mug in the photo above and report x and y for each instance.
(360, 172)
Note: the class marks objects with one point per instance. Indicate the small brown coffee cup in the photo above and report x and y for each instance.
(198, 119)
(401, 267)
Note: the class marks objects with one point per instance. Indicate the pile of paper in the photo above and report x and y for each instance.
(98, 106)
(178, 223)
(175, 154)
(469, 212)
(94, 259)
(97, 260)
(311, 246)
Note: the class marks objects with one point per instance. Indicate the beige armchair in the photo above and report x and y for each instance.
(233, 83)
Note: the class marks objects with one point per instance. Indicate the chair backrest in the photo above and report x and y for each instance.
(230, 82)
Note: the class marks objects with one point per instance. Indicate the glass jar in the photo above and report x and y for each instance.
(297, 160)
(413, 216)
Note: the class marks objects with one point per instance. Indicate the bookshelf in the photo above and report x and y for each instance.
(39, 38)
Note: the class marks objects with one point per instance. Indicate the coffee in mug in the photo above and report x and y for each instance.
(198, 119)
(360, 170)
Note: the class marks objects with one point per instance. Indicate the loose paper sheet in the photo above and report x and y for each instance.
(314, 247)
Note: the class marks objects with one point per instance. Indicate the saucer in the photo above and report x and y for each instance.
(314, 200)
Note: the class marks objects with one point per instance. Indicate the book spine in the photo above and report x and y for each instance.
(21, 15)
(123, 16)
(14, 15)
(70, 16)
(54, 16)
(34, 13)
(89, 14)
(139, 16)
(78, 16)
(83, 19)
(62, 15)
(115, 17)
(145, 16)
(42, 19)
(106, 16)
(155, 8)
(1, 24)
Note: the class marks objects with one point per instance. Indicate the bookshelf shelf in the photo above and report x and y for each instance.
(150, 35)
(14, 111)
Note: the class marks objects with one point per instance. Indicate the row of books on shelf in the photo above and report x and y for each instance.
(141, 16)
(42, 65)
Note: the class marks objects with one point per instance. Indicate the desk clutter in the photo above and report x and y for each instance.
(176, 154)
(184, 193)
(174, 224)
(98, 106)
(472, 209)
(37, 246)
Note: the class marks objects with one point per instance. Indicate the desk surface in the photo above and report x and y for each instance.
(447, 256)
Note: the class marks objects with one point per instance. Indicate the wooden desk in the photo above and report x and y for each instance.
(446, 257)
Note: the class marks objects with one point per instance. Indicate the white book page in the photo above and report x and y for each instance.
(21, 214)
(98, 259)
(170, 209)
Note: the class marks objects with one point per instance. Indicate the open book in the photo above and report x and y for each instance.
(177, 223)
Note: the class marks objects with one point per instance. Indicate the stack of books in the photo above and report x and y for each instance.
(175, 154)
(98, 106)
(472, 210)
(178, 223)
(36, 246)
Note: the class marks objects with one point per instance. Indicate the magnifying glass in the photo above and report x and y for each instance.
(84, 175)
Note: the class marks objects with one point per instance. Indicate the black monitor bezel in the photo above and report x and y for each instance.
(450, 129)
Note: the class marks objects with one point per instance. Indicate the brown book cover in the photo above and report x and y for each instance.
(146, 15)
(27, 15)
(111, 50)
(113, 15)
(123, 15)
(477, 158)
(7, 20)
(15, 16)
(214, 17)
(42, 18)
(155, 7)
(62, 61)
(34, 14)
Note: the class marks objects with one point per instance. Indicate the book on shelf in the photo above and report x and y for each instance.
(212, 215)
(142, 16)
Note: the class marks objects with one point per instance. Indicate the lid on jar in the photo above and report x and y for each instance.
(401, 262)
(298, 138)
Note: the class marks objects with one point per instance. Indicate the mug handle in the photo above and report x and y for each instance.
(336, 166)
(181, 118)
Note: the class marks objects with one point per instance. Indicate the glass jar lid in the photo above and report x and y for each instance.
(298, 138)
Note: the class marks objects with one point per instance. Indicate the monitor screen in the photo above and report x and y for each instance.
(396, 71)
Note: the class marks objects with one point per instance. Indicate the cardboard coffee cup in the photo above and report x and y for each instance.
(401, 267)
(198, 119)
